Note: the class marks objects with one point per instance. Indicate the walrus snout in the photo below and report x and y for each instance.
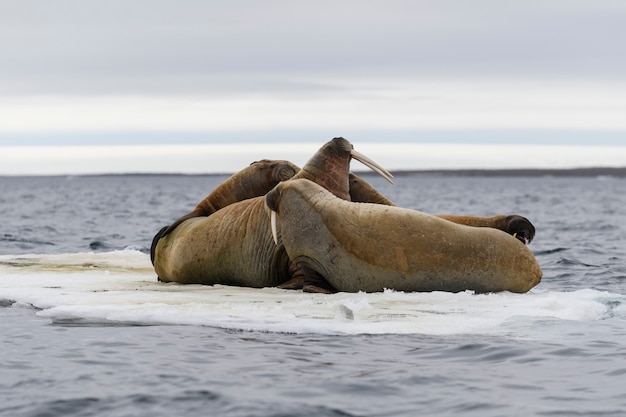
(343, 146)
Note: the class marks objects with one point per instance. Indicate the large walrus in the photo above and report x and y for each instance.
(370, 247)
(253, 181)
(232, 245)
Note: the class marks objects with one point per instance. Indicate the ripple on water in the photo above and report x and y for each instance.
(185, 403)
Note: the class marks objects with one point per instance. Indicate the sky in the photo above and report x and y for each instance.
(92, 86)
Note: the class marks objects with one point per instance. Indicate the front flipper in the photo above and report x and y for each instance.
(315, 283)
(297, 278)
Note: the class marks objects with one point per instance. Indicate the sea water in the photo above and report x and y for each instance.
(86, 329)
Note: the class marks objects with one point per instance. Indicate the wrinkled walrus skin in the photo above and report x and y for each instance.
(253, 181)
(371, 247)
(233, 245)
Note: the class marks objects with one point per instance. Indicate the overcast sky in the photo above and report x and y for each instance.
(108, 72)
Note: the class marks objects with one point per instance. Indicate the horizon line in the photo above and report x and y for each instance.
(597, 171)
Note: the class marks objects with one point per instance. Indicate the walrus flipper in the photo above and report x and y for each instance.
(296, 278)
(155, 241)
(316, 283)
(167, 230)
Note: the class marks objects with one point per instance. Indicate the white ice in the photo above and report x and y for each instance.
(121, 288)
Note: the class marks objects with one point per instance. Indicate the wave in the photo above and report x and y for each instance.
(120, 288)
(9, 238)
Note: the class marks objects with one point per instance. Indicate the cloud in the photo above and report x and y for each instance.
(104, 46)
(392, 105)
(107, 70)
(200, 159)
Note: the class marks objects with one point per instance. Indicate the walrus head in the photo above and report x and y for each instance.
(330, 167)
(521, 228)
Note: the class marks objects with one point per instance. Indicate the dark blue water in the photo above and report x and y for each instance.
(567, 368)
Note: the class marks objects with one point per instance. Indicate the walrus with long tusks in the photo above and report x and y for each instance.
(233, 245)
(370, 247)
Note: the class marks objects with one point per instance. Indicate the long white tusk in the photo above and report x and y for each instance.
(372, 165)
(273, 223)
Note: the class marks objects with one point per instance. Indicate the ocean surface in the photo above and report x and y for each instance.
(86, 329)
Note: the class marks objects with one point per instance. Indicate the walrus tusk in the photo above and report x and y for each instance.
(273, 223)
(372, 165)
(522, 239)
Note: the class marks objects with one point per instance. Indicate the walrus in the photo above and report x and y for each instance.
(253, 181)
(261, 176)
(233, 245)
(371, 247)
(520, 227)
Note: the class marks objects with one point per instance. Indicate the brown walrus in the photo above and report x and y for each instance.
(261, 176)
(370, 247)
(253, 181)
(516, 225)
(233, 245)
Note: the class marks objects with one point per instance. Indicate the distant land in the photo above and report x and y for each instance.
(516, 172)
(539, 172)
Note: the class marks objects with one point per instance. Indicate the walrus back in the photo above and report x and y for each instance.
(233, 246)
(369, 247)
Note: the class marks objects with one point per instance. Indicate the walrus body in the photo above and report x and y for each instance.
(233, 245)
(253, 181)
(370, 247)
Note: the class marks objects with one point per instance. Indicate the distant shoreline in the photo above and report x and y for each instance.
(515, 172)
(521, 172)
